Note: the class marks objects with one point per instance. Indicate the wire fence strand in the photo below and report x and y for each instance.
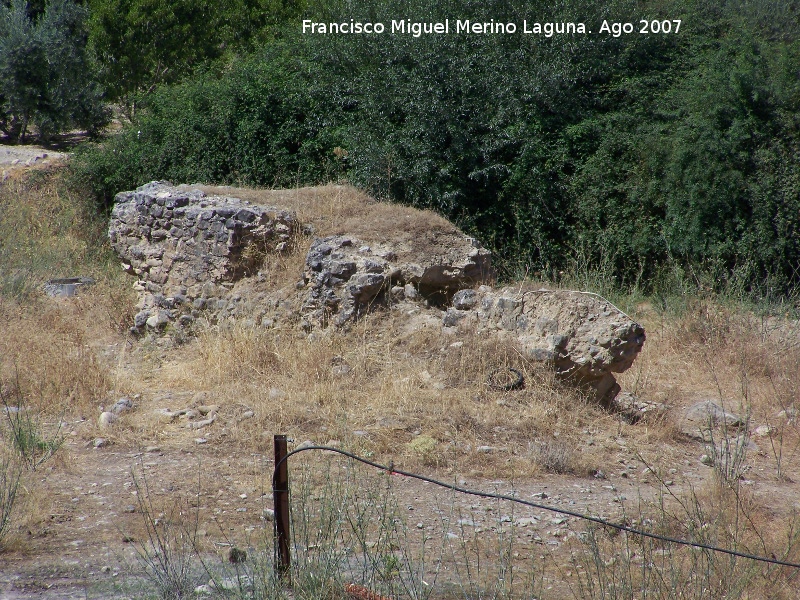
(563, 511)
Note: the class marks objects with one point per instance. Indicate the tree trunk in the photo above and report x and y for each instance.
(11, 127)
(24, 128)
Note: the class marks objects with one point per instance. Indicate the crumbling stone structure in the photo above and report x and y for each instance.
(188, 250)
(180, 242)
(584, 337)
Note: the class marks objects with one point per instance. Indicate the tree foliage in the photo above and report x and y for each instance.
(624, 153)
(144, 43)
(261, 124)
(45, 72)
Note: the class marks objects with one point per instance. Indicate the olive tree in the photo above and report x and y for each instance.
(46, 77)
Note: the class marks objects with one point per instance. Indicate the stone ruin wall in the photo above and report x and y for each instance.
(188, 250)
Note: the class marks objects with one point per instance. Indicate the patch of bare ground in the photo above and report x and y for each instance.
(17, 160)
(399, 389)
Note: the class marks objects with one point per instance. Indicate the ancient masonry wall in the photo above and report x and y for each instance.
(179, 242)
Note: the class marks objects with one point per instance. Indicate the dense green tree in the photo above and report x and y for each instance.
(264, 123)
(45, 73)
(635, 155)
(144, 43)
(23, 70)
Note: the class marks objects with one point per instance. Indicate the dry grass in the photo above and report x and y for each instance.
(51, 350)
(408, 379)
(744, 362)
(396, 386)
(400, 383)
(418, 397)
(46, 231)
(50, 360)
(344, 210)
(618, 565)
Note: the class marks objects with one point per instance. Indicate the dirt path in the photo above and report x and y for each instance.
(88, 517)
(14, 158)
(87, 520)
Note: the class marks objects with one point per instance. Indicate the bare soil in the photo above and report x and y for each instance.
(17, 158)
(84, 518)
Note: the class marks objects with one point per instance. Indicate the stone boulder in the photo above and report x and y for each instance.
(585, 338)
(344, 275)
(704, 418)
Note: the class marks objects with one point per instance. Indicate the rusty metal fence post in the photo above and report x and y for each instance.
(280, 497)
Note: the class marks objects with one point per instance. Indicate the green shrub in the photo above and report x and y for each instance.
(260, 123)
(144, 43)
(627, 156)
